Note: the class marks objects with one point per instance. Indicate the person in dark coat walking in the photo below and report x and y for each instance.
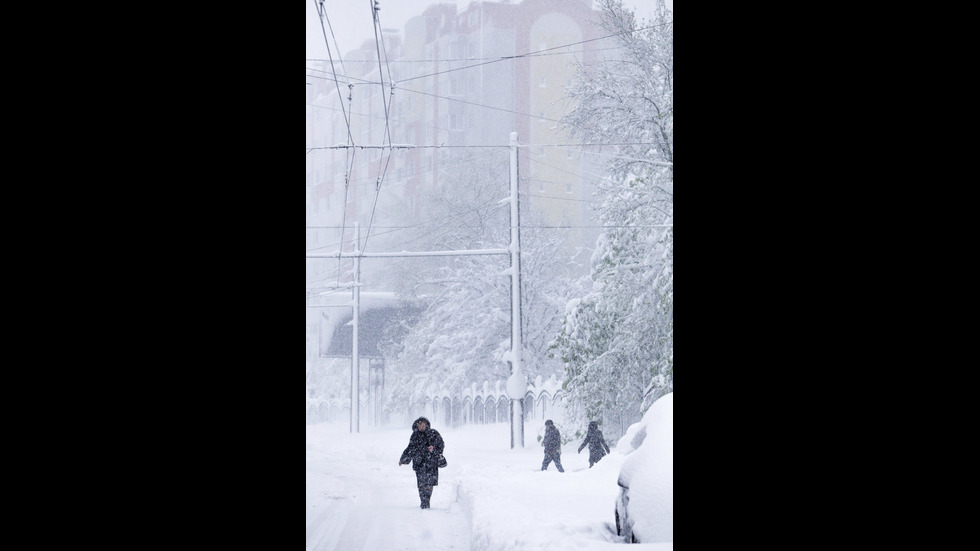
(597, 445)
(423, 451)
(552, 446)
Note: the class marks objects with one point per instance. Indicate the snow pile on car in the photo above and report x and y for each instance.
(649, 470)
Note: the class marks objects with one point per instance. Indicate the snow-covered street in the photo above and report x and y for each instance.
(489, 498)
(358, 499)
(489, 238)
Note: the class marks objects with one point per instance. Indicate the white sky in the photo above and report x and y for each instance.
(489, 498)
(351, 20)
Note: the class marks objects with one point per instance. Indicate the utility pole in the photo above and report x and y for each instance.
(355, 363)
(517, 383)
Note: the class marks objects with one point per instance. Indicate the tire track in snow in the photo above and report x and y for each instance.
(376, 506)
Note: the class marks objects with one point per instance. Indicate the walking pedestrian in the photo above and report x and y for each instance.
(552, 446)
(597, 445)
(425, 446)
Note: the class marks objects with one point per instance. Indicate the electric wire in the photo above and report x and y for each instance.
(415, 174)
(560, 169)
(474, 104)
(520, 146)
(442, 221)
(463, 59)
(530, 54)
(352, 146)
(479, 105)
(379, 43)
(321, 12)
(577, 176)
(350, 93)
(456, 100)
(456, 215)
(349, 166)
(438, 220)
(600, 177)
(540, 118)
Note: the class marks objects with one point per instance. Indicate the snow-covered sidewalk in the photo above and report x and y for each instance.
(489, 498)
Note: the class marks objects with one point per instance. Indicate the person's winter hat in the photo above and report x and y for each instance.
(548, 422)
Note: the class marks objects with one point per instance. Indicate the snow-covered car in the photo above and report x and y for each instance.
(645, 505)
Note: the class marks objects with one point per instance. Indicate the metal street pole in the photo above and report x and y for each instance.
(517, 383)
(355, 364)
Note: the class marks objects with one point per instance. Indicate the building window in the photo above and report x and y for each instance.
(457, 87)
(541, 117)
(457, 50)
(543, 82)
(568, 188)
(541, 185)
(456, 122)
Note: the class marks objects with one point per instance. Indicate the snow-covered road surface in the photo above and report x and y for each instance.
(357, 498)
(489, 498)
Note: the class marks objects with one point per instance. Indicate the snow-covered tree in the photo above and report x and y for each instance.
(617, 339)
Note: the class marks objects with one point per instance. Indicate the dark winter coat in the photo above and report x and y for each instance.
(597, 444)
(552, 440)
(424, 462)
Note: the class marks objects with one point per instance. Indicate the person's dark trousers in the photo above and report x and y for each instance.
(425, 493)
(548, 458)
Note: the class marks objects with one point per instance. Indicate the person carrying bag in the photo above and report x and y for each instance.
(424, 451)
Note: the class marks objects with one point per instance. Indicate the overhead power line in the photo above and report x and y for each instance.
(464, 59)
(349, 165)
(538, 117)
(514, 57)
(413, 146)
(522, 225)
(529, 54)
(379, 47)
